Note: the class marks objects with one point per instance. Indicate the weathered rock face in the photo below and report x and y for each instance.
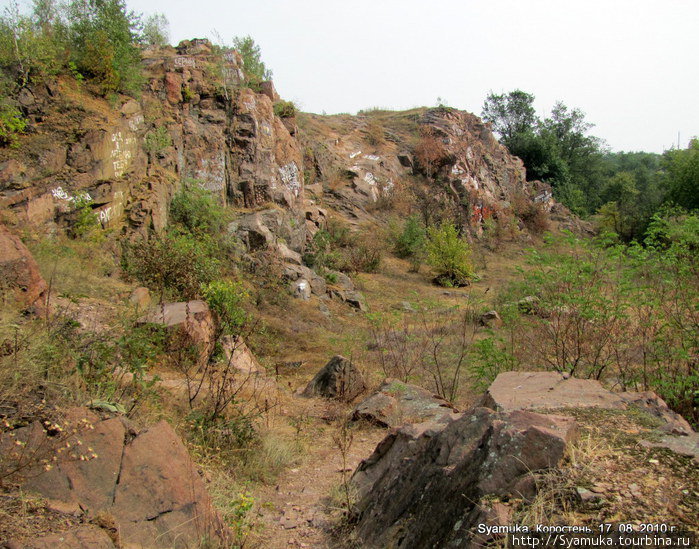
(467, 168)
(396, 403)
(480, 172)
(270, 229)
(193, 122)
(422, 485)
(20, 279)
(145, 481)
(339, 378)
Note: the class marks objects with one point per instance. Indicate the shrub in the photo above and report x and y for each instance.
(225, 299)
(285, 109)
(103, 37)
(411, 243)
(196, 210)
(430, 153)
(156, 30)
(86, 221)
(533, 215)
(336, 248)
(12, 123)
(157, 141)
(363, 255)
(449, 255)
(320, 253)
(31, 46)
(622, 314)
(173, 264)
(489, 358)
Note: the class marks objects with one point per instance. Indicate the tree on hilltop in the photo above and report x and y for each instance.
(254, 68)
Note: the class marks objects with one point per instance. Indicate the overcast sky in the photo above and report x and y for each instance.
(630, 65)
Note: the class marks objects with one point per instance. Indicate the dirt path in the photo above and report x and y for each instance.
(299, 511)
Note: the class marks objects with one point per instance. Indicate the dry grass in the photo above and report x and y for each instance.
(80, 268)
(632, 483)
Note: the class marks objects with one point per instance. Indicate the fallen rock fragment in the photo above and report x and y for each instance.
(339, 379)
(20, 278)
(395, 403)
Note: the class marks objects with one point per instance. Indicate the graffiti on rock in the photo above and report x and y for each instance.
(122, 152)
(289, 175)
(183, 62)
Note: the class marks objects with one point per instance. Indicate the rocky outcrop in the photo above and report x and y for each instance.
(145, 481)
(396, 403)
(671, 422)
(339, 378)
(423, 485)
(194, 121)
(356, 162)
(20, 279)
(478, 170)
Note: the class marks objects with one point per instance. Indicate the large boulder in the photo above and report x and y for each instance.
(339, 378)
(145, 481)
(554, 391)
(548, 390)
(423, 485)
(294, 272)
(189, 322)
(20, 279)
(396, 403)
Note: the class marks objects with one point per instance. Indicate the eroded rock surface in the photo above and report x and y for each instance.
(190, 322)
(554, 391)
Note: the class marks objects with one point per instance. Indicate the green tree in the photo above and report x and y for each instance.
(156, 30)
(31, 46)
(620, 196)
(682, 175)
(510, 114)
(103, 37)
(254, 68)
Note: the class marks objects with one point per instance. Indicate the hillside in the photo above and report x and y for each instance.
(227, 323)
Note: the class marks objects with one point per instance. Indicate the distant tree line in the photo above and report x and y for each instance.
(623, 190)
